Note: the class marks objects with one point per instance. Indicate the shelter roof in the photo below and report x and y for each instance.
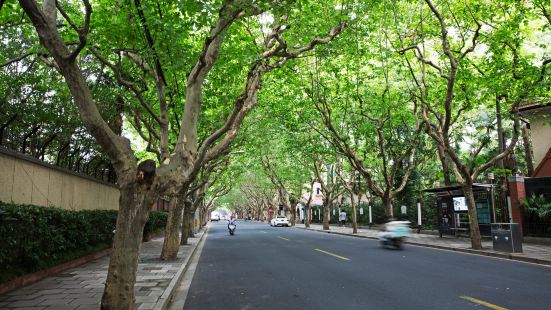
(533, 108)
(457, 190)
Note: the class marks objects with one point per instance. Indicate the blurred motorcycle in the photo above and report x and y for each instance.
(231, 227)
(394, 234)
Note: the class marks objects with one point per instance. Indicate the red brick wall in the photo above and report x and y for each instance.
(517, 192)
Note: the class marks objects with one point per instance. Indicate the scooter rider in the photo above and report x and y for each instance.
(395, 232)
(231, 221)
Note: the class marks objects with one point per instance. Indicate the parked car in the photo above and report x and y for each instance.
(279, 220)
(215, 217)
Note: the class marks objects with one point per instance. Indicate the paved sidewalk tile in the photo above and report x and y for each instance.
(81, 288)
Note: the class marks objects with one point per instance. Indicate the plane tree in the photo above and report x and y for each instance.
(365, 105)
(141, 183)
(464, 58)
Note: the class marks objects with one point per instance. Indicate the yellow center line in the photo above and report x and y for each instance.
(332, 254)
(482, 302)
(283, 238)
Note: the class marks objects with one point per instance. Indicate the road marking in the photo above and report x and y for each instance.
(482, 302)
(427, 246)
(332, 254)
(283, 238)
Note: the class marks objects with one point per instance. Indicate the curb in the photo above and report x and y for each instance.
(164, 300)
(508, 256)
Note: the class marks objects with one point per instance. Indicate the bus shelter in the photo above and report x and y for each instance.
(452, 212)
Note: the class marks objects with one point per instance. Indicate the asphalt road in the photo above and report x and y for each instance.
(263, 267)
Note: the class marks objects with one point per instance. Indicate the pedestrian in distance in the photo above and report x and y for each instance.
(342, 217)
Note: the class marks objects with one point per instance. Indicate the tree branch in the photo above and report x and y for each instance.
(82, 32)
(127, 84)
(16, 59)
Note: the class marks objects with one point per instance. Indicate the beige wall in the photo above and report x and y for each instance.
(541, 134)
(25, 182)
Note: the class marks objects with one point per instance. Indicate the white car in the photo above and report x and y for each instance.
(215, 217)
(279, 220)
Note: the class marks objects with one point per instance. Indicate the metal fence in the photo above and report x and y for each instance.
(538, 229)
(74, 150)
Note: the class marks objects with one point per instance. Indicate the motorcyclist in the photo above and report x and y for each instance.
(395, 231)
(231, 221)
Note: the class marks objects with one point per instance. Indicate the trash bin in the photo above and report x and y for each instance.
(507, 237)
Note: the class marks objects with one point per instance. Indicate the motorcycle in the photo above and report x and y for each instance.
(231, 228)
(394, 234)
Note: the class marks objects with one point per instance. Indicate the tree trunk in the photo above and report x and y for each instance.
(308, 219)
(387, 202)
(528, 151)
(294, 213)
(194, 206)
(171, 244)
(354, 219)
(191, 225)
(326, 211)
(203, 216)
(476, 242)
(445, 167)
(185, 222)
(134, 206)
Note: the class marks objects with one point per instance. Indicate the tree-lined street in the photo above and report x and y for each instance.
(125, 120)
(263, 267)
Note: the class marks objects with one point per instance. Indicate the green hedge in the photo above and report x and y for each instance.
(155, 223)
(34, 238)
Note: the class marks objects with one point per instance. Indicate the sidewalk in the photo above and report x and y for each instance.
(533, 253)
(82, 287)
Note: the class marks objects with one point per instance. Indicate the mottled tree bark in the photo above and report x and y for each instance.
(186, 222)
(387, 202)
(121, 276)
(171, 243)
(191, 224)
(474, 230)
(308, 219)
(294, 212)
(354, 217)
(327, 203)
(445, 165)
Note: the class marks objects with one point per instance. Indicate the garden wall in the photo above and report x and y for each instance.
(26, 180)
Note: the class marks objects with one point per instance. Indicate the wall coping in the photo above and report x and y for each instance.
(517, 179)
(36, 161)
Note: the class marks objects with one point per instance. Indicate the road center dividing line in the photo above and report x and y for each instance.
(482, 302)
(283, 238)
(332, 254)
